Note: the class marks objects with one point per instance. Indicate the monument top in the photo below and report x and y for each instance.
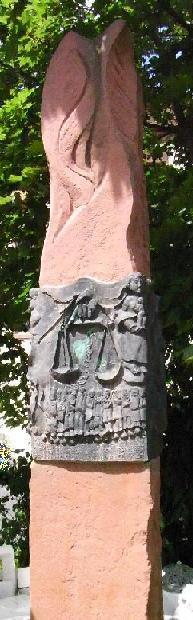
(92, 114)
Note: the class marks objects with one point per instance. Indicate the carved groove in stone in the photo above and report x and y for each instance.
(96, 371)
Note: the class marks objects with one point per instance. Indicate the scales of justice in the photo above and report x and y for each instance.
(85, 332)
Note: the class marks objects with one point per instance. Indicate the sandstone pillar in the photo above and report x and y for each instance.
(97, 404)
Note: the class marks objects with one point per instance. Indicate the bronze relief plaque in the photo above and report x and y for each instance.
(97, 372)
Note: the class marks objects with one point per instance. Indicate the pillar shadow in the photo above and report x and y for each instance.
(155, 598)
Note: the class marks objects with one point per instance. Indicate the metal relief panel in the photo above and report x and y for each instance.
(96, 372)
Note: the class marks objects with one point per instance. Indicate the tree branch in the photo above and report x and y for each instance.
(162, 130)
(179, 19)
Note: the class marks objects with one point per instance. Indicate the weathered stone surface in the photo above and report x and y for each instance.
(92, 132)
(97, 372)
(96, 541)
(176, 576)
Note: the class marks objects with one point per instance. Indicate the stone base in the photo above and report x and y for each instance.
(8, 583)
(95, 542)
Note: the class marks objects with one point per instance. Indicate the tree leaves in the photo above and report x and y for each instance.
(188, 354)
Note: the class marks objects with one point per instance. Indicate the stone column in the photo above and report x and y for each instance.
(97, 404)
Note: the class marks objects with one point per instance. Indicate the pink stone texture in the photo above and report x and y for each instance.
(92, 116)
(95, 537)
(95, 542)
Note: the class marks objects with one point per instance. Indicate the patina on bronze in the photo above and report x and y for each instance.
(97, 372)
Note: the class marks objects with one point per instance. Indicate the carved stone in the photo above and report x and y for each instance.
(92, 115)
(96, 371)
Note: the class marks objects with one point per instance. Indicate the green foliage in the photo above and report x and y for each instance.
(163, 33)
(5, 456)
(15, 476)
